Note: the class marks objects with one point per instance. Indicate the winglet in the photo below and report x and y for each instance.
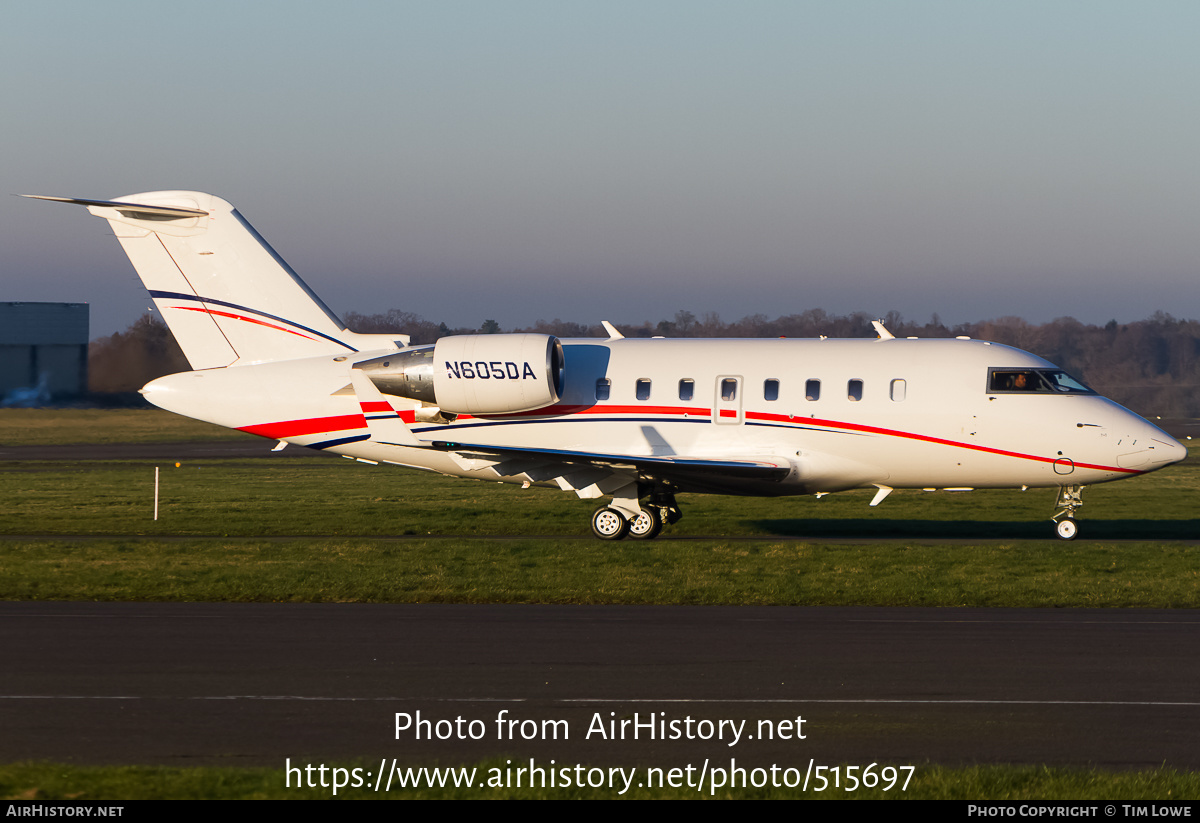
(883, 492)
(883, 333)
(613, 334)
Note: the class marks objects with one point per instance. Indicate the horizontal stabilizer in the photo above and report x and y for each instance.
(135, 210)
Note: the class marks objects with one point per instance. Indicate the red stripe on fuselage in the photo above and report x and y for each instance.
(320, 425)
(858, 427)
(310, 425)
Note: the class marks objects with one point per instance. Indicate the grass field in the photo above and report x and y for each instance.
(221, 527)
(327, 529)
(29, 427)
(329, 496)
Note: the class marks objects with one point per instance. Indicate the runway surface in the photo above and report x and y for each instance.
(242, 684)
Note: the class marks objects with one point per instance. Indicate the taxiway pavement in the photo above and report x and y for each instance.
(242, 684)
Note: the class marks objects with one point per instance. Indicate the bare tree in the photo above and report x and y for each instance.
(126, 361)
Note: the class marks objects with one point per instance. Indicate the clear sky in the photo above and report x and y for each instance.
(624, 160)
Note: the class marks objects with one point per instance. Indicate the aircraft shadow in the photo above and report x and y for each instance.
(1042, 529)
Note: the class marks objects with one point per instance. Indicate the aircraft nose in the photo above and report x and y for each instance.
(1164, 449)
(1146, 447)
(1173, 450)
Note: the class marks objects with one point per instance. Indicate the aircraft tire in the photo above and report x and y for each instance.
(609, 524)
(646, 525)
(1067, 528)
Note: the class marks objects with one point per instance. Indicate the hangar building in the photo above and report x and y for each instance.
(43, 350)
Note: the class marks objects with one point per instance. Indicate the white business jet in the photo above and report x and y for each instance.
(635, 419)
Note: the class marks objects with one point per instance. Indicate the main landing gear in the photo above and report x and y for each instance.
(1070, 498)
(609, 524)
(644, 522)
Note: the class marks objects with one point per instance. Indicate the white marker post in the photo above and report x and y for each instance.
(156, 492)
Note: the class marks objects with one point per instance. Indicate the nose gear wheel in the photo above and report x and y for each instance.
(1070, 499)
(1066, 528)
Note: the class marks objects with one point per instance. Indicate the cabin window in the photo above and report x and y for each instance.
(854, 390)
(771, 390)
(812, 390)
(687, 388)
(899, 389)
(643, 388)
(729, 389)
(603, 388)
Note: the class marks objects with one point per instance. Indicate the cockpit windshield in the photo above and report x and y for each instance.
(1034, 381)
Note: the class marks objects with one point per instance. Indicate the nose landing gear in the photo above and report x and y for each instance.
(1070, 498)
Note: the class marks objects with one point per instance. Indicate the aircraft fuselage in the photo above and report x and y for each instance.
(842, 414)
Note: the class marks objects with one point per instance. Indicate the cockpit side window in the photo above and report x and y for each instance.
(1013, 381)
(1034, 381)
(1063, 382)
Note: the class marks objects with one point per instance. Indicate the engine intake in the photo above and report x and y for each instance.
(475, 373)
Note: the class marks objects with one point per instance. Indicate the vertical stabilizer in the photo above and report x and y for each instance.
(228, 298)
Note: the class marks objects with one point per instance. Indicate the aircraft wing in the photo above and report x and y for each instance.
(596, 472)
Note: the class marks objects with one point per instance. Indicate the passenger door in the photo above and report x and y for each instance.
(727, 400)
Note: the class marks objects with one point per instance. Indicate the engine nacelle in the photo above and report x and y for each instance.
(475, 373)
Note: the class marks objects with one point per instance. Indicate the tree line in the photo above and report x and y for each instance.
(1151, 366)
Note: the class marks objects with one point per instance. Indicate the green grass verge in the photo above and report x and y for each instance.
(218, 539)
(49, 781)
(711, 572)
(330, 496)
(37, 427)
